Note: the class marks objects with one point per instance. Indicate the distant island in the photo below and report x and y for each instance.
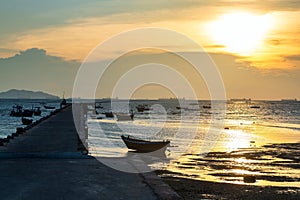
(25, 94)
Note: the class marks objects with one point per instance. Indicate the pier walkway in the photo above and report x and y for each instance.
(44, 163)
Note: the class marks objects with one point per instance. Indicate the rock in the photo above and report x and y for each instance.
(249, 179)
(20, 130)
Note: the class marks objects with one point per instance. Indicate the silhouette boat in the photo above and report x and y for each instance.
(254, 106)
(142, 108)
(26, 121)
(144, 145)
(17, 111)
(27, 113)
(37, 111)
(98, 105)
(109, 114)
(63, 102)
(206, 106)
(49, 107)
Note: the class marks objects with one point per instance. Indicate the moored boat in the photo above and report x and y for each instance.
(27, 113)
(109, 114)
(144, 145)
(254, 106)
(98, 105)
(142, 108)
(26, 121)
(37, 111)
(16, 111)
(49, 107)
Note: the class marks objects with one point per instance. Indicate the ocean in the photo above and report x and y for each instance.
(259, 138)
(9, 124)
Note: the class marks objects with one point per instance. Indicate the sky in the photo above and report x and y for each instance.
(255, 44)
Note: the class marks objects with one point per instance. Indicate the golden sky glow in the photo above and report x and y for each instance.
(241, 32)
(261, 37)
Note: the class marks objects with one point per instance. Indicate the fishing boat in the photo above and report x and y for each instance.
(37, 111)
(206, 106)
(26, 121)
(109, 114)
(142, 108)
(98, 105)
(63, 102)
(27, 113)
(16, 111)
(49, 107)
(144, 145)
(255, 107)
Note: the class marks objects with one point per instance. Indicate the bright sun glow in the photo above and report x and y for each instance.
(240, 33)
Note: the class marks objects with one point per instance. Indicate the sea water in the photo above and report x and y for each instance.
(262, 140)
(8, 124)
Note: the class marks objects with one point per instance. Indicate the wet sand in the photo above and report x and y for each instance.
(196, 189)
(275, 168)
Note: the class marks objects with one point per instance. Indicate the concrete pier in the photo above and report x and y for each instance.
(46, 163)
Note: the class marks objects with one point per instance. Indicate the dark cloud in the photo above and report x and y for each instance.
(35, 69)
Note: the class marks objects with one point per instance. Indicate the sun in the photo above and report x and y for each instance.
(241, 32)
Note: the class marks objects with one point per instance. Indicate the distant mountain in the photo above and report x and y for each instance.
(25, 94)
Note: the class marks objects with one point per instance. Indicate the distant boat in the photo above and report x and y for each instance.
(16, 111)
(144, 145)
(142, 108)
(27, 113)
(49, 107)
(98, 105)
(37, 111)
(109, 114)
(207, 106)
(26, 121)
(63, 102)
(254, 106)
(178, 107)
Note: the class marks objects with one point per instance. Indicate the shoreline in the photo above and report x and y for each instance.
(285, 156)
(198, 189)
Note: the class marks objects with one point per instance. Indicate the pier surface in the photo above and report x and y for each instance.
(44, 163)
